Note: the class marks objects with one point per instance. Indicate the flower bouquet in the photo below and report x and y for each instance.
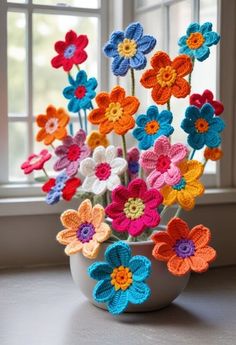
(119, 255)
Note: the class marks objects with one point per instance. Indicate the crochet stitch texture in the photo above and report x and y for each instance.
(121, 278)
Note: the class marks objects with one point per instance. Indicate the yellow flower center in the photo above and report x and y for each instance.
(127, 48)
(166, 76)
(121, 278)
(152, 127)
(134, 208)
(114, 112)
(51, 125)
(195, 40)
(201, 125)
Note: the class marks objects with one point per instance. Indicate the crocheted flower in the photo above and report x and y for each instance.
(71, 51)
(207, 97)
(71, 153)
(162, 162)
(121, 278)
(184, 249)
(214, 154)
(62, 186)
(132, 158)
(96, 139)
(114, 111)
(81, 92)
(151, 126)
(52, 125)
(202, 126)
(85, 230)
(188, 188)
(197, 41)
(134, 208)
(128, 49)
(102, 170)
(36, 161)
(166, 77)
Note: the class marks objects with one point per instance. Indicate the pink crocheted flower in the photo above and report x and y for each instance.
(36, 161)
(207, 97)
(71, 153)
(134, 208)
(162, 162)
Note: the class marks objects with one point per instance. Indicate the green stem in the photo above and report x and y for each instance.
(132, 82)
(85, 122)
(177, 212)
(190, 75)
(45, 173)
(71, 129)
(107, 198)
(192, 154)
(125, 157)
(53, 147)
(168, 105)
(80, 120)
(78, 67)
(131, 239)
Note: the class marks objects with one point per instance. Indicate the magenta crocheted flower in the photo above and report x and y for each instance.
(36, 161)
(162, 162)
(71, 153)
(134, 208)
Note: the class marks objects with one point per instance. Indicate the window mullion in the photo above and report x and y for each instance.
(3, 94)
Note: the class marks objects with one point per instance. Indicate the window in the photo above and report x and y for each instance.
(167, 20)
(28, 32)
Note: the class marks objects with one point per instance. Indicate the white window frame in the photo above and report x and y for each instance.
(30, 188)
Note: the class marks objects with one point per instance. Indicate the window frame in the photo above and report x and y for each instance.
(30, 188)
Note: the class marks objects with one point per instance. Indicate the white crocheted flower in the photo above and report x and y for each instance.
(102, 170)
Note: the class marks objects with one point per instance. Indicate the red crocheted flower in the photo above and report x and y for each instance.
(36, 161)
(71, 51)
(134, 208)
(207, 97)
(48, 185)
(68, 191)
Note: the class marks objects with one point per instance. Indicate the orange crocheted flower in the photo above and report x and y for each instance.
(85, 230)
(166, 77)
(189, 187)
(114, 111)
(214, 154)
(96, 139)
(52, 125)
(184, 249)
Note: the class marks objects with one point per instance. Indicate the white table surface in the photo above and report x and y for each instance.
(43, 307)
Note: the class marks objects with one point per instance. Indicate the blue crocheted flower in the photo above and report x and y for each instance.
(202, 126)
(128, 49)
(121, 279)
(80, 92)
(151, 126)
(198, 40)
(55, 193)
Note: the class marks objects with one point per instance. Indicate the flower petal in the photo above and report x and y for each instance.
(159, 60)
(99, 187)
(88, 183)
(172, 175)
(193, 27)
(148, 160)
(103, 232)
(211, 38)
(200, 235)
(110, 154)
(183, 65)
(98, 214)
(181, 88)
(117, 94)
(87, 166)
(152, 198)
(162, 237)
(178, 266)
(120, 66)
(169, 195)
(195, 188)
(207, 111)
(66, 236)
(156, 179)
(196, 140)
(73, 247)
(118, 302)
(206, 27)
(70, 219)
(213, 139)
(140, 267)
(99, 154)
(161, 95)
(112, 182)
(120, 195)
(134, 31)
(197, 264)
(85, 211)
(217, 124)
(61, 163)
(177, 229)
(149, 78)
(137, 188)
(186, 200)
(138, 61)
(96, 116)
(146, 44)
(125, 123)
(90, 249)
(121, 223)
(103, 291)
(118, 165)
(118, 254)
(162, 251)
(162, 146)
(195, 170)
(110, 49)
(178, 152)
(138, 293)
(202, 53)
(100, 271)
(106, 127)
(207, 253)
(130, 105)
(117, 37)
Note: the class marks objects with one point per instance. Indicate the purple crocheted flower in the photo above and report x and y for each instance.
(71, 153)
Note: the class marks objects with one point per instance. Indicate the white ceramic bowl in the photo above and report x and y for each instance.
(164, 286)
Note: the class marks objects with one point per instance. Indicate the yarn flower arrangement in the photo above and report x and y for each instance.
(123, 193)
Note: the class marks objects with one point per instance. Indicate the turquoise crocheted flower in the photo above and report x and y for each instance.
(80, 92)
(151, 126)
(202, 126)
(121, 279)
(198, 40)
(128, 49)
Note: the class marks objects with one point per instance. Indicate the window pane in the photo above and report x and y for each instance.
(19, 1)
(144, 3)
(17, 150)
(49, 82)
(76, 3)
(16, 64)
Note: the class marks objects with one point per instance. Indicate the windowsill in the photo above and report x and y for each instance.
(24, 206)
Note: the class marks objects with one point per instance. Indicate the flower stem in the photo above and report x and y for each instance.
(178, 212)
(53, 147)
(85, 122)
(78, 67)
(125, 157)
(80, 120)
(132, 82)
(107, 198)
(45, 173)
(168, 105)
(192, 154)
(190, 75)
(71, 129)
(91, 105)
(163, 211)
(131, 239)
